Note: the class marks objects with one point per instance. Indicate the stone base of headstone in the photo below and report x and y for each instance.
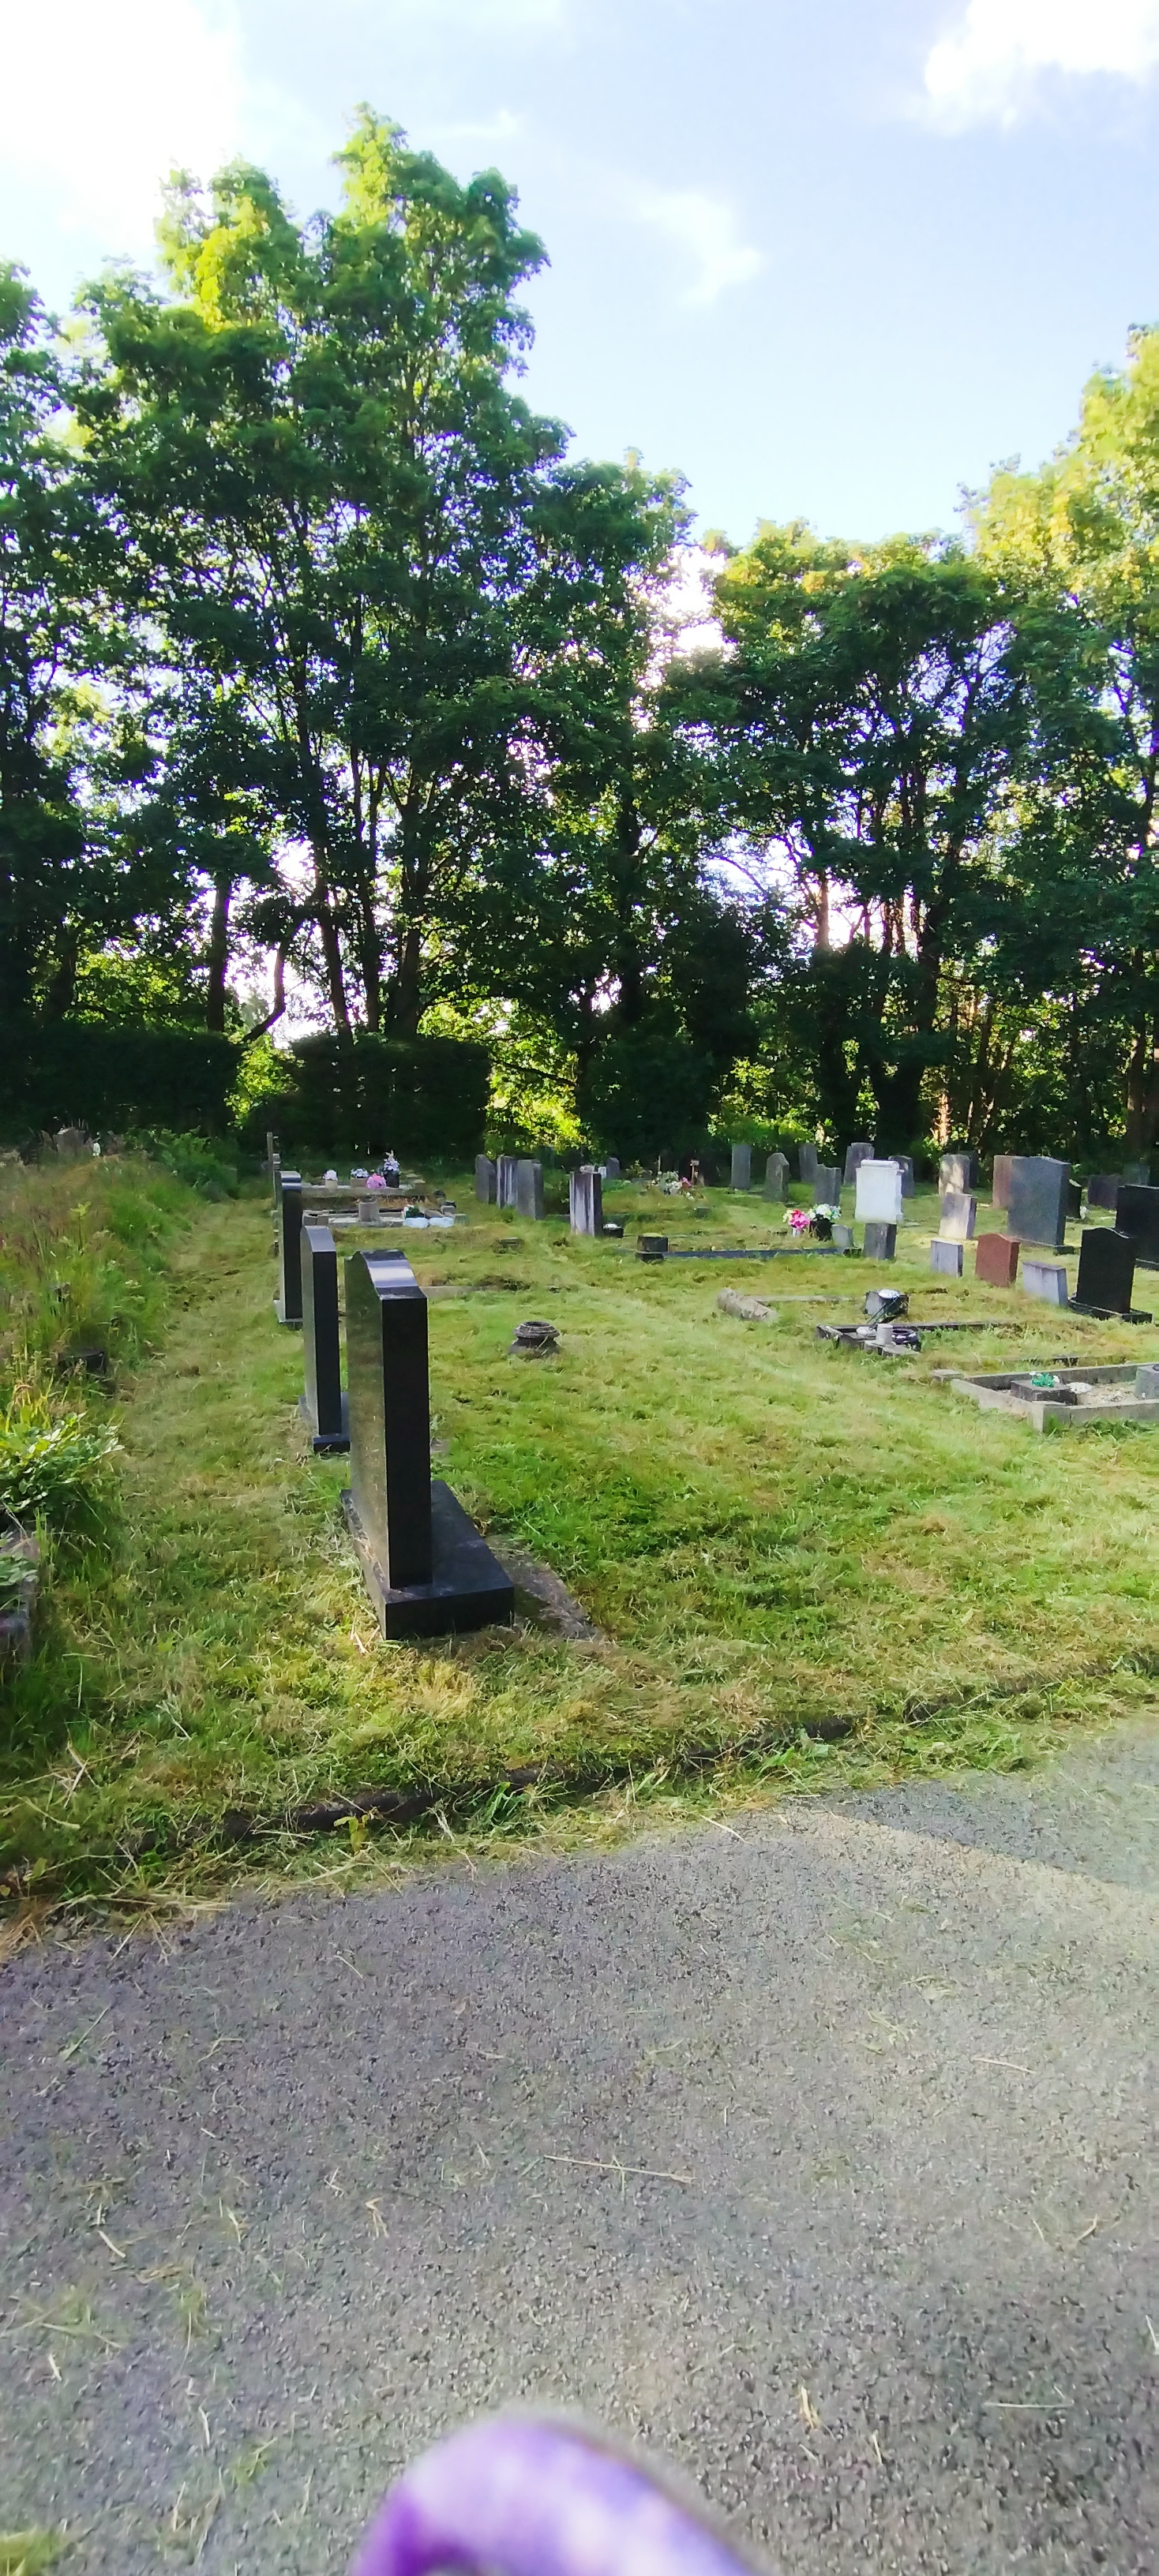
(947, 1257)
(880, 1242)
(469, 1588)
(996, 1260)
(326, 1444)
(1046, 1280)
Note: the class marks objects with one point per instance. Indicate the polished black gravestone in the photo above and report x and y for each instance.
(1037, 1206)
(322, 1404)
(425, 1566)
(1106, 1271)
(1137, 1214)
(288, 1302)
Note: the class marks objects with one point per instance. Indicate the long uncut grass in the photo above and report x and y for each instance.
(775, 1537)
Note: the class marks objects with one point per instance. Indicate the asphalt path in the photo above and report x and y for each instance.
(811, 2153)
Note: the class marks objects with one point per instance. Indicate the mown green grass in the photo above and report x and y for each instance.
(772, 1535)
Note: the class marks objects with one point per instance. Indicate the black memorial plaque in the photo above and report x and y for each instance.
(322, 1404)
(1106, 1270)
(426, 1568)
(288, 1302)
(1137, 1214)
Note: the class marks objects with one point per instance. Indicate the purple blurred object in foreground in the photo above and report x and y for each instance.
(521, 2497)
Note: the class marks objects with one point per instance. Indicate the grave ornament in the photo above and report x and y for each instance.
(426, 1568)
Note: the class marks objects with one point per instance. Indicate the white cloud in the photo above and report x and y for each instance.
(100, 99)
(705, 231)
(990, 64)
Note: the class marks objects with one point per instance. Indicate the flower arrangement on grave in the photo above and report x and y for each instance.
(374, 1181)
(798, 1220)
(822, 1222)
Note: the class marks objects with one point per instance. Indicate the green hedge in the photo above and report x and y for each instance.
(356, 1099)
(78, 1073)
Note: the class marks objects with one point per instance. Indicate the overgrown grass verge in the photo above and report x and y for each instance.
(807, 1567)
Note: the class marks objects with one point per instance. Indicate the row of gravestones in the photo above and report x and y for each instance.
(1038, 1195)
(512, 1181)
(427, 1570)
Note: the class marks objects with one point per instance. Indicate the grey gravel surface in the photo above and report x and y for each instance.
(811, 2152)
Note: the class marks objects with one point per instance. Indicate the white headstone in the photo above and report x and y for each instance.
(878, 1194)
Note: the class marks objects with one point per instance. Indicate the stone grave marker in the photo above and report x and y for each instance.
(1037, 1206)
(272, 1154)
(612, 1168)
(957, 1216)
(70, 1143)
(1103, 1190)
(880, 1240)
(529, 1188)
(425, 1566)
(288, 1302)
(996, 1260)
(1137, 1214)
(827, 1186)
(807, 1163)
(741, 1169)
(1147, 1381)
(586, 1201)
(855, 1154)
(958, 1170)
(1046, 1279)
(1106, 1269)
(843, 1238)
(1074, 1200)
(776, 1174)
(322, 1405)
(1138, 1174)
(947, 1254)
(505, 1170)
(878, 1201)
(905, 1165)
(485, 1181)
(1000, 1186)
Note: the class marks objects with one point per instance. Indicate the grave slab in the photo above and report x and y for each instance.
(996, 1260)
(741, 1168)
(1046, 1280)
(1137, 1214)
(322, 1405)
(946, 1256)
(878, 1200)
(288, 1302)
(1106, 1273)
(880, 1240)
(485, 1182)
(957, 1216)
(426, 1568)
(1037, 1206)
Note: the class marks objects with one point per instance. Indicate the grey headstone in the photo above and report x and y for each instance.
(1137, 1214)
(289, 1298)
(321, 1406)
(505, 1171)
(741, 1171)
(1138, 1174)
(905, 1165)
(842, 1238)
(855, 1154)
(947, 1255)
(880, 1242)
(70, 1143)
(1103, 1190)
(529, 1188)
(776, 1173)
(1074, 1200)
(586, 1201)
(612, 1168)
(957, 1216)
(958, 1170)
(879, 1193)
(1046, 1279)
(272, 1154)
(485, 1181)
(1106, 1269)
(807, 1163)
(827, 1185)
(1037, 1205)
(1000, 1186)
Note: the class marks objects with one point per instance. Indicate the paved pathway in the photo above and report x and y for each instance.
(812, 2155)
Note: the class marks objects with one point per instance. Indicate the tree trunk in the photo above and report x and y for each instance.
(1143, 1090)
(407, 1000)
(60, 993)
(217, 955)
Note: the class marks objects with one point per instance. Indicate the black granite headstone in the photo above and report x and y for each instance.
(426, 1568)
(1037, 1205)
(1137, 1214)
(322, 1404)
(288, 1302)
(1106, 1270)
(1103, 1190)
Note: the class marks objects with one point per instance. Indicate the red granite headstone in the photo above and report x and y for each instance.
(996, 1259)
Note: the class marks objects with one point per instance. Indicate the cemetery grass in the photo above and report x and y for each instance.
(807, 1568)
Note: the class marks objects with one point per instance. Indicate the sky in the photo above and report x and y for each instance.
(831, 259)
